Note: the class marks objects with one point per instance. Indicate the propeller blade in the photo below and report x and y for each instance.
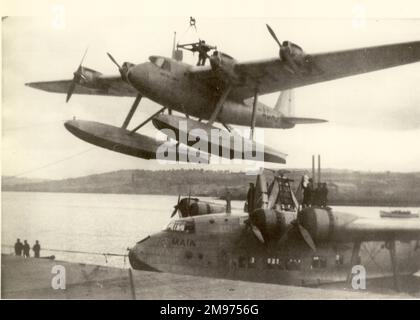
(285, 236)
(113, 60)
(71, 89)
(176, 207)
(175, 211)
(257, 233)
(189, 202)
(83, 58)
(273, 35)
(76, 77)
(307, 237)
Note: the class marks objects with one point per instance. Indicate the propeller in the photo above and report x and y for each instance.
(284, 52)
(77, 76)
(176, 207)
(302, 231)
(273, 34)
(257, 233)
(120, 68)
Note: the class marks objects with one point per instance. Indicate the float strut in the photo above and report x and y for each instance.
(131, 112)
(219, 104)
(254, 113)
(147, 120)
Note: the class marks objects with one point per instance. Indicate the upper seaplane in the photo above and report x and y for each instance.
(226, 92)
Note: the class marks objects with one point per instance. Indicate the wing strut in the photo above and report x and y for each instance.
(354, 260)
(219, 105)
(254, 113)
(131, 112)
(394, 263)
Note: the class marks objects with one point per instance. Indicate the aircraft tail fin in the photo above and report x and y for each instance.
(286, 106)
(285, 103)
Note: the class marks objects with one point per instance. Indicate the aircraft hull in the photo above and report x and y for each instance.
(120, 140)
(222, 249)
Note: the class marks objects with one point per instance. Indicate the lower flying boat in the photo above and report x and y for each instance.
(225, 92)
(280, 241)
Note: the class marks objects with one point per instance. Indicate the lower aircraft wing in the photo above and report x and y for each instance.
(272, 75)
(385, 229)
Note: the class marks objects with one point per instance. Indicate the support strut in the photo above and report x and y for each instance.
(254, 113)
(219, 104)
(354, 260)
(394, 263)
(131, 112)
(147, 120)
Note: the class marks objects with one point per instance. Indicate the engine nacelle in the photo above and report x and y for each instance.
(88, 77)
(295, 57)
(323, 225)
(222, 63)
(272, 223)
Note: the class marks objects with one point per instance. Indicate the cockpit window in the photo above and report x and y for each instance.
(161, 63)
(181, 226)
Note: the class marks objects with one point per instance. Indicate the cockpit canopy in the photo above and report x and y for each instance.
(161, 62)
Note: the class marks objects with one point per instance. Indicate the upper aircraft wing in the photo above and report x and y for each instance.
(272, 75)
(102, 85)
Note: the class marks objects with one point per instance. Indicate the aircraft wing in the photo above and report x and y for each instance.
(272, 75)
(365, 229)
(103, 86)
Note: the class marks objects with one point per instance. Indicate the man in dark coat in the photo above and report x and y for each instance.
(18, 247)
(37, 249)
(26, 249)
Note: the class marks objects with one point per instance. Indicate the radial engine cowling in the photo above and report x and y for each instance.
(88, 77)
(271, 223)
(295, 57)
(323, 225)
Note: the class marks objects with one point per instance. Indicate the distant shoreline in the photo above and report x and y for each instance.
(346, 188)
(331, 203)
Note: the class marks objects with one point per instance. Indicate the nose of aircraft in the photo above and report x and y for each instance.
(138, 76)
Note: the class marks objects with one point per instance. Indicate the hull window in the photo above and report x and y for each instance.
(319, 262)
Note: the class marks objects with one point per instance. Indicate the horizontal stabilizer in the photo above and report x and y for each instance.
(297, 120)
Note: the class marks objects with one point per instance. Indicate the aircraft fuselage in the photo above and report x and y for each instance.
(220, 246)
(171, 86)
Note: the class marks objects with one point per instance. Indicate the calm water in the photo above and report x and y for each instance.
(101, 223)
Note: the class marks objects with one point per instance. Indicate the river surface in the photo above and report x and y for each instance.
(96, 223)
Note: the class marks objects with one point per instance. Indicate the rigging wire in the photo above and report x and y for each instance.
(105, 254)
(50, 164)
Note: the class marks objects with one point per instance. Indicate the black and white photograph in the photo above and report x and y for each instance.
(224, 150)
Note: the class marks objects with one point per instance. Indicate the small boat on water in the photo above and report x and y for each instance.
(398, 214)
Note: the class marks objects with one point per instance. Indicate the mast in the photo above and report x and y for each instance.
(319, 168)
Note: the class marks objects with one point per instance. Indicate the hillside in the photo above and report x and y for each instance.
(345, 187)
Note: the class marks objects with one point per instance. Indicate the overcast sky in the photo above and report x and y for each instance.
(374, 119)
